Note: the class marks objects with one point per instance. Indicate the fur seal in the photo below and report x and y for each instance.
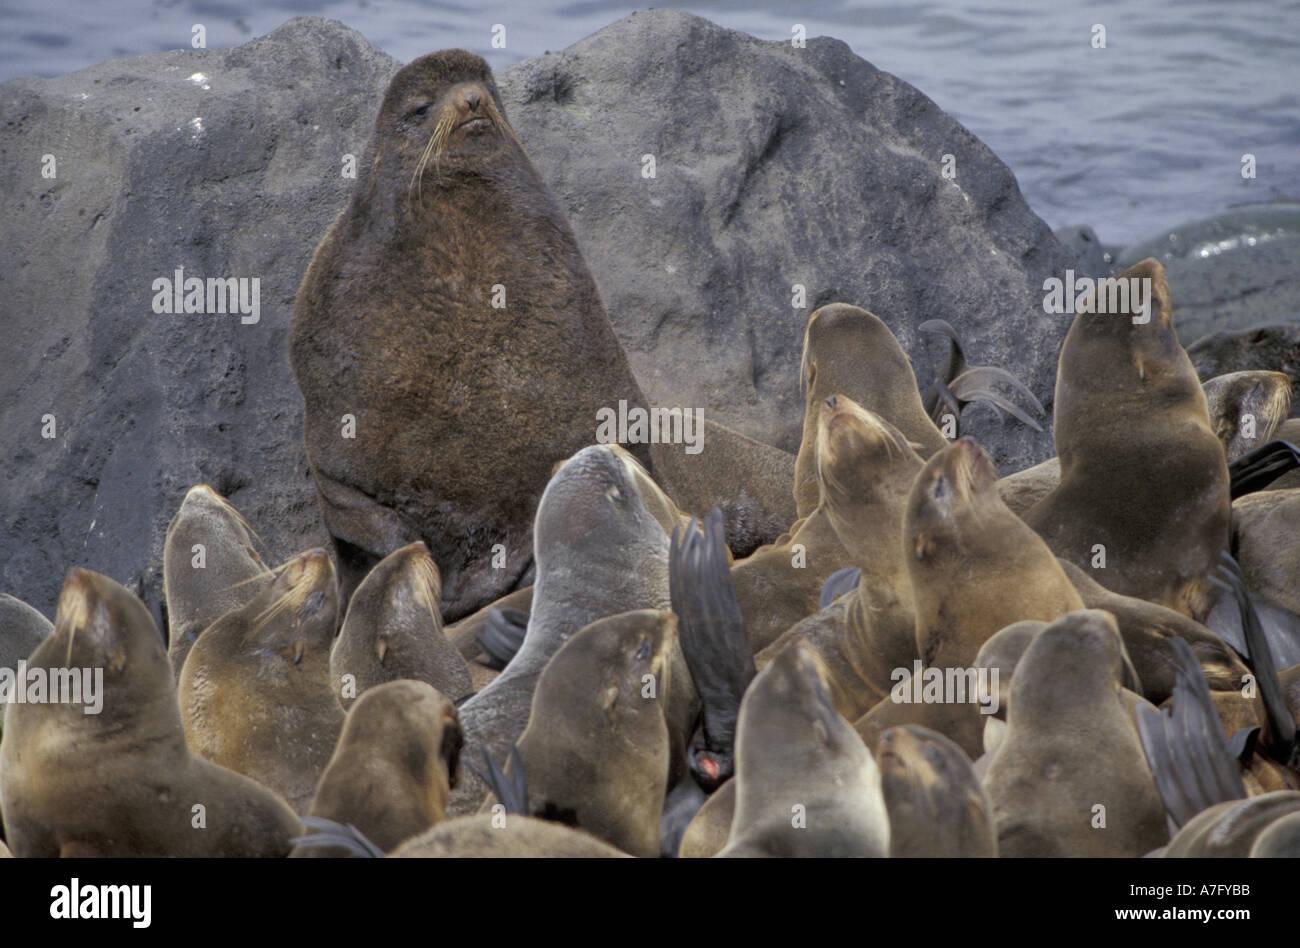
(122, 782)
(393, 630)
(1280, 839)
(1143, 475)
(255, 691)
(1231, 829)
(851, 352)
(1266, 535)
(397, 758)
(504, 837)
(865, 470)
(707, 833)
(1069, 778)
(806, 784)
(595, 752)
(975, 566)
(599, 552)
(448, 308)
(937, 807)
(202, 585)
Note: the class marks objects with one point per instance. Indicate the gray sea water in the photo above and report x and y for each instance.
(1142, 135)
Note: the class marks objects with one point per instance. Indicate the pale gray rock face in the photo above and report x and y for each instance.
(773, 166)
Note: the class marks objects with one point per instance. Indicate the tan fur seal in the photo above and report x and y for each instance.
(1143, 475)
(504, 837)
(210, 566)
(599, 552)
(447, 309)
(807, 785)
(392, 771)
(707, 833)
(393, 630)
(937, 807)
(1279, 840)
(1070, 778)
(865, 471)
(1266, 534)
(1246, 408)
(1228, 830)
(851, 352)
(122, 782)
(595, 752)
(975, 567)
(255, 690)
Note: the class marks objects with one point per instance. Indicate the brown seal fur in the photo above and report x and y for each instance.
(595, 752)
(805, 783)
(1266, 534)
(232, 573)
(937, 807)
(122, 782)
(1230, 829)
(461, 408)
(975, 566)
(851, 352)
(1142, 472)
(255, 690)
(865, 470)
(395, 764)
(393, 630)
(1070, 746)
(504, 837)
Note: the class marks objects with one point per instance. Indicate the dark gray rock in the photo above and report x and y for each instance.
(1231, 271)
(774, 166)
(1275, 348)
(1095, 258)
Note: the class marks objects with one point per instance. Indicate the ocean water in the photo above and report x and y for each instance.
(1140, 136)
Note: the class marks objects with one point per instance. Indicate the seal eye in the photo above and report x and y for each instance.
(420, 111)
(644, 651)
(940, 487)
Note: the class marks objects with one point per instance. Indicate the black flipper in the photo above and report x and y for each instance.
(330, 833)
(1256, 469)
(1190, 758)
(840, 583)
(502, 635)
(714, 642)
(960, 383)
(512, 791)
(1278, 739)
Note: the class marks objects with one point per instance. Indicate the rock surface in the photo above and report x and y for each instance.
(773, 166)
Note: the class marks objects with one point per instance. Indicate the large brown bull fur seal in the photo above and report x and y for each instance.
(1144, 479)
(255, 691)
(460, 407)
(122, 782)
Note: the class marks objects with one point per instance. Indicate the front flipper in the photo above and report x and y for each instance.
(1256, 469)
(1191, 760)
(330, 833)
(502, 636)
(512, 790)
(959, 383)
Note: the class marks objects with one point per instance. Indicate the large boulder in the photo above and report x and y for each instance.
(773, 166)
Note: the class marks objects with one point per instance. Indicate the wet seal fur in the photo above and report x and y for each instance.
(122, 782)
(394, 325)
(255, 692)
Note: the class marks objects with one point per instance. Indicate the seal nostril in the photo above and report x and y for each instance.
(473, 99)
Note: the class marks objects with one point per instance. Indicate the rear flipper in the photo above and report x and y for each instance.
(840, 583)
(1190, 757)
(511, 790)
(1278, 739)
(330, 833)
(714, 643)
(1256, 469)
(960, 383)
(502, 635)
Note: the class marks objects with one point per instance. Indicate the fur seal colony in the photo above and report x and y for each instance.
(526, 641)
